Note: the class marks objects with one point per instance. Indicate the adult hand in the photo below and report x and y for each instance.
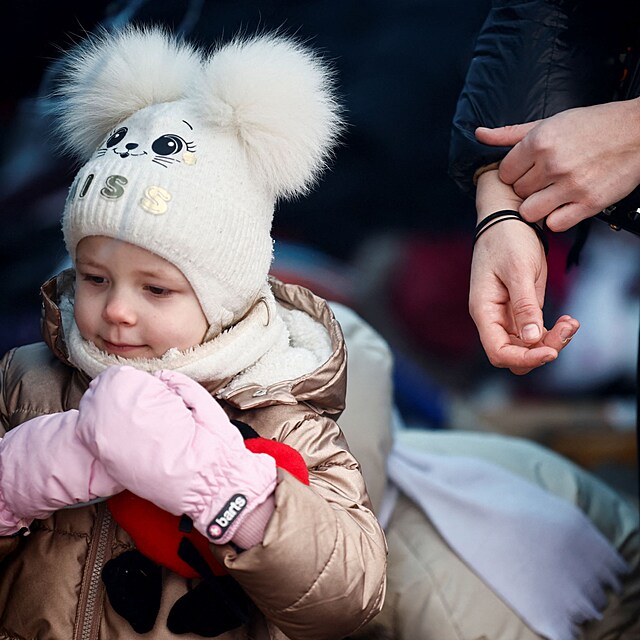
(572, 165)
(508, 281)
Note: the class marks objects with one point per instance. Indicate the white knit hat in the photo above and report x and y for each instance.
(189, 152)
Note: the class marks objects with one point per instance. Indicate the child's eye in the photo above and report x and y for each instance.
(158, 291)
(87, 277)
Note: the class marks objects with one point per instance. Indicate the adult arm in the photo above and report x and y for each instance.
(574, 164)
(507, 287)
(533, 59)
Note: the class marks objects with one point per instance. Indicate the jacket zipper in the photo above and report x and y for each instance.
(90, 605)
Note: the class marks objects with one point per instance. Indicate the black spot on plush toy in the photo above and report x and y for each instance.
(133, 580)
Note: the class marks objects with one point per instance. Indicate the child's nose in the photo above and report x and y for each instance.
(119, 309)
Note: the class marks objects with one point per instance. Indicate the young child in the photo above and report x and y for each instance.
(166, 331)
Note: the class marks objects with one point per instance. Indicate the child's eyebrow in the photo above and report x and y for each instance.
(87, 262)
(159, 273)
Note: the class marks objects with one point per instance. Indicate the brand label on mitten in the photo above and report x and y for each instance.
(226, 516)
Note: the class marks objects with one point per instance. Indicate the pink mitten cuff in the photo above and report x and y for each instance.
(239, 504)
(168, 441)
(253, 526)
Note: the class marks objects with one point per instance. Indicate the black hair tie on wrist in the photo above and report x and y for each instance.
(509, 214)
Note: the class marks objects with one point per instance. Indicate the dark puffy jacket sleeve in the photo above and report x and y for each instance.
(532, 59)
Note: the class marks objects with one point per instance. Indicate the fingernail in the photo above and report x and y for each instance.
(565, 336)
(530, 333)
(547, 359)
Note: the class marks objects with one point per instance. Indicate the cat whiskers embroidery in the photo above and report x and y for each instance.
(165, 161)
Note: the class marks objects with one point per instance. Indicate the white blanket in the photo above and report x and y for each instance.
(539, 553)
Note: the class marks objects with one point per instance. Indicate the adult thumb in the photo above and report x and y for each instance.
(527, 314)
(506, 136)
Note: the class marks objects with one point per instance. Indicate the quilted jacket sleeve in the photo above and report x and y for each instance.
(323, 547)
(4, 419)
(7, 543)
(532, 59)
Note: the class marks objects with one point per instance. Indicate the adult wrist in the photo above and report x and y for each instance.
(492, 166)
(509, 214)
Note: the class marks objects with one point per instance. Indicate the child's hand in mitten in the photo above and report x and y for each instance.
(167, 440)
(43, 467)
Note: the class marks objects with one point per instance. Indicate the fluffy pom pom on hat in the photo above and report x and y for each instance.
(187, 152)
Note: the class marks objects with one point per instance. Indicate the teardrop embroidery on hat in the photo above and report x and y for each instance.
(188, 157)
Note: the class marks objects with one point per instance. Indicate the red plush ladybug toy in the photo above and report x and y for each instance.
(133, 580)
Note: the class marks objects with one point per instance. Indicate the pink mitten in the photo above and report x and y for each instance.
(168, 441)
(44, 467)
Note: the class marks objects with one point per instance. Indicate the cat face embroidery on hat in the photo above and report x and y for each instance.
(164, 150)
(131, 144)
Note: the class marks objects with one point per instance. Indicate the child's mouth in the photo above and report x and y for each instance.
(120, 349)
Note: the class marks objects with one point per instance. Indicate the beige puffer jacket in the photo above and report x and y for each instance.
(320, 572)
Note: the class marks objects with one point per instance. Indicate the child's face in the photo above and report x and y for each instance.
(131, 303)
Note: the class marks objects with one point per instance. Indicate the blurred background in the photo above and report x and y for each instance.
(386, 231)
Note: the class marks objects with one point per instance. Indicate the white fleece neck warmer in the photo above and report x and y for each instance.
(270, 344)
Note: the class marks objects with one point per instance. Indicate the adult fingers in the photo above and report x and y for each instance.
(548, 349)
(568, 215)
(559, 336)
(522, 360)
(526, 309)
(506, 136)
(504, 349)
(541, 204)
(516, 163)
(504, 354)
(529, 183)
